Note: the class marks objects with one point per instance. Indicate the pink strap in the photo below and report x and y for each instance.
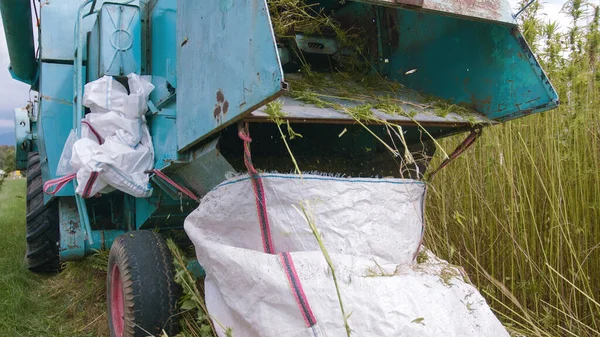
(87, 191)
(180, 188)
(265, 229)
(100, 139)
(297, 290)
(259, 190)
(462, 147)
(58, 184)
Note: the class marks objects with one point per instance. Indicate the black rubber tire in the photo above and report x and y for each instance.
(148, 286)
(42, 222)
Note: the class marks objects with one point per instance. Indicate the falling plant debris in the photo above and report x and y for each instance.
(418, 320)
(276, 114)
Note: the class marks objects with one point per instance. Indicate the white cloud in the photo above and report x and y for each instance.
(13, 94)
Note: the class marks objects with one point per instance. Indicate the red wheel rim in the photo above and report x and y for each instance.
(117, 304)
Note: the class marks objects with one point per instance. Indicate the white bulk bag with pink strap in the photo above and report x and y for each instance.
(267, 275)
(115, 148)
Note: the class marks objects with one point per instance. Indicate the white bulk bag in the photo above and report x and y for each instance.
(371, 228)
(106, 94)
(115, 148)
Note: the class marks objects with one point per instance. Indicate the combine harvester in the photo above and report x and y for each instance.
(147, 107)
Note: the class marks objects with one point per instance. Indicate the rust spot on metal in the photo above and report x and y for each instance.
(225, 107)
(57, 100)
(221, 107)
(480, 105)
(217, 111)
(411, 3)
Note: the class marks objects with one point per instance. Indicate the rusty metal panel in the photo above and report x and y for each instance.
(227, 65)
(489, 10)
(416, 3)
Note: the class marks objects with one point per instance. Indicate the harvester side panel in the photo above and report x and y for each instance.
(55, 118)
(162, 51)
(57, 25)
(228, 65)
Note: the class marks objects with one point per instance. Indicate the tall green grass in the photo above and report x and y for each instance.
(67, 304)
(521, 212)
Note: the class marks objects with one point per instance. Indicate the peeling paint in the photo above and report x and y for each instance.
(57, 100)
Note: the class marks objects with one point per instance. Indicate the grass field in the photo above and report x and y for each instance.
(69, 304)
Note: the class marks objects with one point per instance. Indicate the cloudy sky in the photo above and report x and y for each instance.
(15, 94)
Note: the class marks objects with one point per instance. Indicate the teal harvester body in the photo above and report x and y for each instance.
(215, 63)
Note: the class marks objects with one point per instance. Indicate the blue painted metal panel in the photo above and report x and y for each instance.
(144, 209)
(163, 131)
(72, 234)
(163, 51)
(115, 42)
(227, 65)
(196, 269)
(103, 240)
(75, 243)
(55, 119)
(58, 22)
(486, 66)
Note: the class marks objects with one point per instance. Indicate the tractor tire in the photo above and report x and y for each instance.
(141, 290)
(42, 222)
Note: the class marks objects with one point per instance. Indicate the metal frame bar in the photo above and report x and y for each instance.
(516, 15)
(78, 111)
(77, 102)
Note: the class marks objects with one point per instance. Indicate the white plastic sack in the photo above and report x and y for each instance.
(371, 229)
(64, 163)
(116, 164)
(106, 94)
(115, 148)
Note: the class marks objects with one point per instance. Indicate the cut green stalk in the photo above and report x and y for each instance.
(315, 231)
(276, 115)
(192, 298)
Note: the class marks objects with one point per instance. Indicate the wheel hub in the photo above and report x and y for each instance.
(117, 304)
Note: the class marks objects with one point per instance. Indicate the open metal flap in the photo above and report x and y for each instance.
(484, 65)
(227, 65)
